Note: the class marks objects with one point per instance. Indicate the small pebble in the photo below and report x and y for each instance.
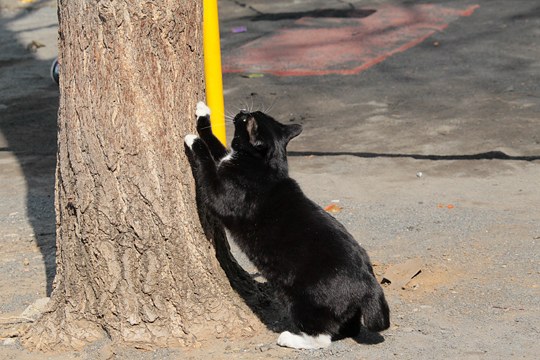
(9, 341)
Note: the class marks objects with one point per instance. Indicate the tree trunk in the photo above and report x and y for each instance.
(132, 259)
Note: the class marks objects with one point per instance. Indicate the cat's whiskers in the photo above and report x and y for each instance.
(214, 125)
(247, 107)
(244, 106)
(267, 110)
(250, 107)
(229, 116)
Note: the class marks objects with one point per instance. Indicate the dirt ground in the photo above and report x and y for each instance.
(431, 159)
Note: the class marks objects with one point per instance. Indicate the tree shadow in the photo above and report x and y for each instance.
(29, 105)
(317, 13)
(531, 14)
(490, 155)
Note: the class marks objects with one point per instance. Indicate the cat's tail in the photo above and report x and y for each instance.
(375, 311)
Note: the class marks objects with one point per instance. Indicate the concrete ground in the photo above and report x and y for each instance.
(420, 124)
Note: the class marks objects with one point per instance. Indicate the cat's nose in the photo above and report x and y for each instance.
(242, 116)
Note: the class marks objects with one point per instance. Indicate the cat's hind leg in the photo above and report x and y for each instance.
(350, 328)
(304, 341)
(204, 128)
(316, 323)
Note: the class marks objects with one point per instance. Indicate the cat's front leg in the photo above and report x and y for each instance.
(199, 157)
(204, 128)
(204, 171)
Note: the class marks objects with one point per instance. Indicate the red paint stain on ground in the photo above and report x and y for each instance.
(342, 46)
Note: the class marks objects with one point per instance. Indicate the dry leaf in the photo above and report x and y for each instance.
(333, 208)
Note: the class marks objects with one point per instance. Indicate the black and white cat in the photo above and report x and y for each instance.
(317, 267)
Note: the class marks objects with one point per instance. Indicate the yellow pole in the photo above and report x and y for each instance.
(212, 68)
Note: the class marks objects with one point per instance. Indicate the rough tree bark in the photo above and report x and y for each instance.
(132, 260)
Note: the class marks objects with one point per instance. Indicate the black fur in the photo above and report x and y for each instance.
(306, 254)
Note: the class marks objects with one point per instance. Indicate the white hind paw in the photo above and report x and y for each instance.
(303, 341)
(202, 109)
(190, 139)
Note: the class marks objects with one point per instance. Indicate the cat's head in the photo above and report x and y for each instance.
(262, 136)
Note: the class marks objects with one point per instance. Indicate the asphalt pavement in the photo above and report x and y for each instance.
(421, 126)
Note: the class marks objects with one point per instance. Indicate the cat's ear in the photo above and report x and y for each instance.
(292, 131)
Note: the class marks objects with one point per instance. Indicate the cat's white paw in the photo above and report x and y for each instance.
(303, 341)
(285, 339)
(190, 139)
(202, 109)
